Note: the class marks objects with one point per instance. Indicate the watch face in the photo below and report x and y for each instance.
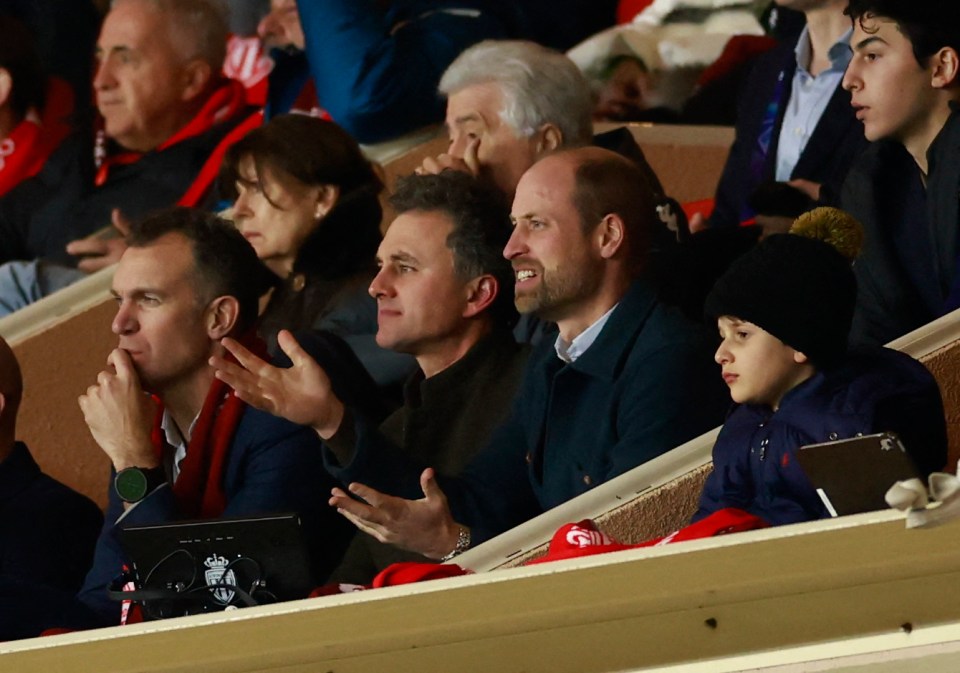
(131, 484)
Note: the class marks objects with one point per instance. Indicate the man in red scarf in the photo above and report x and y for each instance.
(164, 110)
(190, 448)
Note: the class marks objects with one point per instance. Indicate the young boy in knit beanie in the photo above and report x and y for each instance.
(784, 311)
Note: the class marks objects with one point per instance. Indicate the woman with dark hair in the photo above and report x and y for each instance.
(307, 200)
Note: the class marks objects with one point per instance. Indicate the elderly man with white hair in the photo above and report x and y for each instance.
(511, 102)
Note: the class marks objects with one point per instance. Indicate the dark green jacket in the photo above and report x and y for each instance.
(445, 420)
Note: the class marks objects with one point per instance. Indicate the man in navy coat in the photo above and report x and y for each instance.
(186, 280)
(794, 123)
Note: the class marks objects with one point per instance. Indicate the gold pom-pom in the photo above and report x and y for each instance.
(834, 226)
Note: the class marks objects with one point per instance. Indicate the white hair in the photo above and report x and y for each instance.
(539, 86)
(198, 28)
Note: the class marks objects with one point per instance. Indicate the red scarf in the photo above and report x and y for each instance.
(574, 540)
(223, 104)
(199, 487)
(22, 154)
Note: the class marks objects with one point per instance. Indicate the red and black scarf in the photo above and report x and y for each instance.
(225, 103)
(199, 487)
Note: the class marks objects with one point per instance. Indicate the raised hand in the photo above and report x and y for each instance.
(425, 526)
(301, 393)
(120, 414)
(469, 163)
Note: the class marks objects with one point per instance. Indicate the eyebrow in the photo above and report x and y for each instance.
(99, 52)
(863, 44)
(403, 257)
(470, 117)
(399, 257)
(136, 292)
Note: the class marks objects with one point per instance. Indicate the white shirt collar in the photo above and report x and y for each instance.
(176, 439)
(570, 352)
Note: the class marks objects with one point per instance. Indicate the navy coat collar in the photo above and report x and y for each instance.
(606, 356)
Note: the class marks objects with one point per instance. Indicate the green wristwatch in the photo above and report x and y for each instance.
(133, 484)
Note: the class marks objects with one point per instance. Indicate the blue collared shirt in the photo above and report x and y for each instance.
(809, 97)
(570, 352)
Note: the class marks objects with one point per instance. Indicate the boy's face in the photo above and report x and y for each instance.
(892, 94)
(757, 366)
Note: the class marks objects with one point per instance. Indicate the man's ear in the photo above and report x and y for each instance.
(196, 77)
(6, 86)
(222, 315)
(327, 197)
(945, 68)
(610, 235)
(482, 290)
(550, 137)
(3, 404)
(800, 358)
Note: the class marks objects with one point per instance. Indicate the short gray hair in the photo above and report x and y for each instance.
(539, 86)
(197, 28)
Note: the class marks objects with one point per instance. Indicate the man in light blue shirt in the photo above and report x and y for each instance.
(810, 93)
(796, 134)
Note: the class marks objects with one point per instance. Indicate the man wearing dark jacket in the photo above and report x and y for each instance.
(450, 230)
(186, 280)
(441, 292)
(905, 84)
(794, 125)
(164, 107)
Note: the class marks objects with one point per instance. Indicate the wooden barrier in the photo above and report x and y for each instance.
(745, 595)
(937, 345)
(62, 343)
(687, 159)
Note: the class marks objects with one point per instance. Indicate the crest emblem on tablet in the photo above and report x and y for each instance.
(218, 573)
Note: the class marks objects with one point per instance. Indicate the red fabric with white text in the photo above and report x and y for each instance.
(572, 540)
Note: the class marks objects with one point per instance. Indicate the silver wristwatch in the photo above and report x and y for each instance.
(463, 544)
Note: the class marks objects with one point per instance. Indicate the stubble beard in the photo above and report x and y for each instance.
(554, 296)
